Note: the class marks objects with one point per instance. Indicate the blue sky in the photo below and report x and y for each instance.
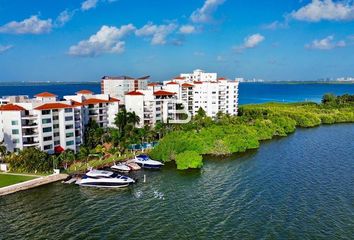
(67, 40)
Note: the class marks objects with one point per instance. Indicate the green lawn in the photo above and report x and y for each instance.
(8, 179)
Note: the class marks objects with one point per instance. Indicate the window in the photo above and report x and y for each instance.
(15, 131)
(69, 126)
(15, 140)
(46, 120)
(55, 118)
(47, 147)
(45, 112)
(47, 138)
(47, 129)
(55, 110)
(55, 125)
(69, 118)
(56, 134)
(68, 110)
(56, 143)
(69, 143)
(13, 123)
(71, 134)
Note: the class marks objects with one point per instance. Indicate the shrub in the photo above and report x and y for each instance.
(189, 159)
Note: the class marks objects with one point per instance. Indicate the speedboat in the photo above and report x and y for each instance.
(105, 179)
(146, 162)
(121, 167)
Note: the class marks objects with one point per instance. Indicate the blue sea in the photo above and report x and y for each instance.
(248, 92)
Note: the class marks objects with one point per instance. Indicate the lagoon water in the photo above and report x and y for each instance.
(298, 187)
(248, 92)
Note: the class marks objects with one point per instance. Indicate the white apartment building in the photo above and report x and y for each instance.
(50, 124)
(152, 105)
(118, 86)
(196, 90)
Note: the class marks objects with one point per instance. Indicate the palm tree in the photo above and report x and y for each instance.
(121, 120)
(133, 118)
(3, 150)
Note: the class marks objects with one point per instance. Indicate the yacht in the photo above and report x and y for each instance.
(105, 179)
(146, 162)
(121, 167)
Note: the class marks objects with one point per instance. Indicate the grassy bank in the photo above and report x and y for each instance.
(10, 179)
(232, 134)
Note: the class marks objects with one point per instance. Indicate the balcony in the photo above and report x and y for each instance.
(30, 143)
(29, 116)
(29, 133)
(29, 124)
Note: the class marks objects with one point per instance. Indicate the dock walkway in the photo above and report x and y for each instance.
(32, 183)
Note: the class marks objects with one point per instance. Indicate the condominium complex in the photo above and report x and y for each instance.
(119, 86)
(50, 124)
(194, 90)
(55, 125)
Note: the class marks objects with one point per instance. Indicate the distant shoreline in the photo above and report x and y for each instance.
(11, 84)
(298, 82)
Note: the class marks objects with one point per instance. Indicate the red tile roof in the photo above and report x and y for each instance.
(163, 93)
(221, 78)
(75, 103)
(187, 85)
(172, 83)
(94, 101)
(179, 77)
(11, 107)
(84, 92)
(114, 99)
(198, 82)
(45, 95)
(48, 106)
(153, 84)
(134, 93)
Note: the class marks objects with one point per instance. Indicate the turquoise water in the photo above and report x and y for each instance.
(298, 187)
(248, 92)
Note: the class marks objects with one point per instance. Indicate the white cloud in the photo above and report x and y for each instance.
(276, 25)
(106, 40)
(220, 58)
(326, 43)
(204, 14)
(250, 42)
(64, 17)
(4, 48)
(319, 10)
(159, 33)
(88, 4)
(197, 53)
(187, 29)
(31, 25)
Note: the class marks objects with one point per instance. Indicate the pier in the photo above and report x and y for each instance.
(32, 183)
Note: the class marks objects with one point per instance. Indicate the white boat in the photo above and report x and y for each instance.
(146, 162)
(104, 179)
(121, 167)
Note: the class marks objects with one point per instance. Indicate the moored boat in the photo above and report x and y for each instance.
(146, 162)
(121, 167)
(104, 179)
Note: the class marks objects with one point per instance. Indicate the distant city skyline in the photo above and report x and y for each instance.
(83, 40)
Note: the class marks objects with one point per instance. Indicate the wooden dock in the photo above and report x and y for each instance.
(32, 183)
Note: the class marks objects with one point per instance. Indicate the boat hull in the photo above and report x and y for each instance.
(149, 166)
(103, 185)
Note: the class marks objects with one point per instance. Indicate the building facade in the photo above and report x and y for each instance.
(195, 90)
(50, 124)
(118, 86)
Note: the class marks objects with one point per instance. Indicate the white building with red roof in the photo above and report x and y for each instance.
(50, 124)
(195, 90)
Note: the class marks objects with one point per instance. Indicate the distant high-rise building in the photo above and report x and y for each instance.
(119, 86)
